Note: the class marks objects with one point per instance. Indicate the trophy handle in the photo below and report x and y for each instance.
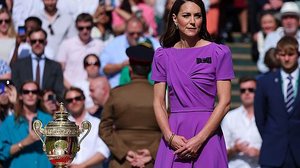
(37, 128)
(85, 125)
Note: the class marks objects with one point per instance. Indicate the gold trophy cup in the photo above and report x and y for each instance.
(60, 140)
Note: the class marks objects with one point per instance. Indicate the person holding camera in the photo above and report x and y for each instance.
(19, 145)
(49, 102)
(8, 98)
(22, 47)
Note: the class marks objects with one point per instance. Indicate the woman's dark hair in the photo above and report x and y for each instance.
(4, 108)
(171, 35)
(91, 55)
(125, 5)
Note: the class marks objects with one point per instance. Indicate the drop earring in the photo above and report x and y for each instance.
(176, 25)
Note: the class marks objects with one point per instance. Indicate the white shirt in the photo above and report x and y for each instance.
(22, 9)
(285, 81)
(34, 60)
(271, 41)
(63, 27)
(236, 125)
(72, 52)
(92, 143)
(76, 7)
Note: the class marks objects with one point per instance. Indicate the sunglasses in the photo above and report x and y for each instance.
(86, 64)
(137, 33)
(250, 90)
(5, 21)
(30, 91)
(41, 41)
(81, 28)
(70, 100)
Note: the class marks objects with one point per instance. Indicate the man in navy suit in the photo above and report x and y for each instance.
(277, 109)
(38, 67)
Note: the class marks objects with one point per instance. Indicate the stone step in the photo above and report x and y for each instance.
(238, 56)
(245, 68)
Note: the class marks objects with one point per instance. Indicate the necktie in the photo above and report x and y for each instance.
(289, 102)
(37, 72)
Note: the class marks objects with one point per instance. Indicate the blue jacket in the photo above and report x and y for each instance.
(279, 129)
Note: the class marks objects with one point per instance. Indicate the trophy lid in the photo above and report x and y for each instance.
(61, 126)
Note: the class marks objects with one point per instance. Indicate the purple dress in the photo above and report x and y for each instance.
(191, 75)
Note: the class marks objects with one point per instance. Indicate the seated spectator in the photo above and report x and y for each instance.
(93, 151)
(58, 24)
(91, 65)
(49, 102)
(18, 143)
(102, 28)
(73, 50)
(268, 24)
(130, 8)
(114, 58)
(8, 98)
(242, 138)
(38, 67)
(7, 34)
(289, 18)
(23, 48)
(99, 92)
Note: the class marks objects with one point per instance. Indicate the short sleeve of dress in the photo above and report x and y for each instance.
(224, 65)
(159, 66)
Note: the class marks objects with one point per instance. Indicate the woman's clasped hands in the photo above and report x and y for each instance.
(185, 149)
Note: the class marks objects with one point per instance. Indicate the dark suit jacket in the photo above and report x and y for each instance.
(279, 129)
(52, 77)
(128, 122)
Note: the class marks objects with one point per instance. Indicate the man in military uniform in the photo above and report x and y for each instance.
(128, 125)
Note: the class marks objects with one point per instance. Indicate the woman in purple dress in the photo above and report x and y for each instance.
(195, 71)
